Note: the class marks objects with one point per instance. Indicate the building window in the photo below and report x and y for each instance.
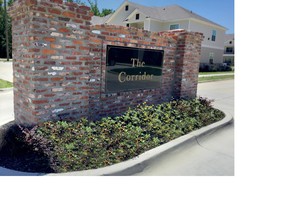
(174, 26)
(126, 7)
(137, 16)
(229, 49)
(214, 33)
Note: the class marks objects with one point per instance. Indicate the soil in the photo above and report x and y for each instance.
(14, 155)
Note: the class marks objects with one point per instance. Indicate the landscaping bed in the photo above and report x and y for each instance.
(54, 147)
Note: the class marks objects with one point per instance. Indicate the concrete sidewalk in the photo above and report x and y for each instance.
(6, 106)
(6, 71)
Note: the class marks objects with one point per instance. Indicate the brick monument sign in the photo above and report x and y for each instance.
(66, 69)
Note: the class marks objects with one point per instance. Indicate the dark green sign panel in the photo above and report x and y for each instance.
(131, 68)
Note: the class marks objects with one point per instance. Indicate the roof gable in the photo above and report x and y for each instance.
(167, 13)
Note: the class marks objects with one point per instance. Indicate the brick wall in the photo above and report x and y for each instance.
(59, 63)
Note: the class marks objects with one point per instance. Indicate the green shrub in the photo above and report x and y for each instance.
(80, 145)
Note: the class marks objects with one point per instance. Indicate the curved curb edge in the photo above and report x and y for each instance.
(138, 163)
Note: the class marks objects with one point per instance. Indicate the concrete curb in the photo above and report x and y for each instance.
(138, 163)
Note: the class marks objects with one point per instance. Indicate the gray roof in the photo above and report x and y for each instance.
(169, 13)
(100, 20)
(229, 38)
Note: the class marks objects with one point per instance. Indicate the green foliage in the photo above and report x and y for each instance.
(86, 145)
(3, 29)
(96, 11)
(105, 12)
(94, 7)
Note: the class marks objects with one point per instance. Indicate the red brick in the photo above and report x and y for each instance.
(56, 46)
(57, 1)
(70, 47)
(54, 11)
(64, 104)
(77, 42)
(34, 50)
(80, 11)
(84, 48)
(85, 27)
(71, 58)
(83, 7)
(39, 101)
(41, 9)
(49, 52)
(78, 21)
(64, 30)
(70, 88)
(50, 39)
(85, 58)
(40, 79)
(54, 79)
(69, 14)
(86, 17)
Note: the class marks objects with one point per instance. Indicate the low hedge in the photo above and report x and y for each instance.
(70, 146)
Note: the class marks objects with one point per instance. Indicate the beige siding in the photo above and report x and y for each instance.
(182, 25)
(121, 15)
(155, 26)
(205, 55)
(208, 46)
(207, 32)
(133, 19)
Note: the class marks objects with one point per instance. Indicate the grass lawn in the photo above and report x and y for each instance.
(5, 60)
(5, 84)
(214, 73)
(214, 78)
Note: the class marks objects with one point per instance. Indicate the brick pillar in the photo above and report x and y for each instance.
(187, 61)
(50, 53)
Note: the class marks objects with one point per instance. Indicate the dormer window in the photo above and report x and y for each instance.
(126, 7)
(137, 17)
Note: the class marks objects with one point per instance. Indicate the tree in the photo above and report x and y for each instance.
(106, 12)
(5, 30)
(94, 7)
